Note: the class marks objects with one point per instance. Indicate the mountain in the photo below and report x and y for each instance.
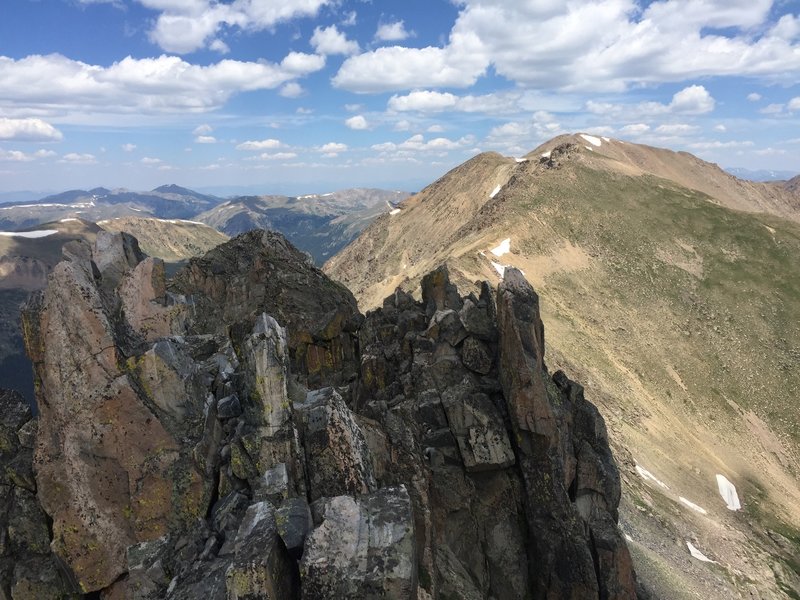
(242, 431)
(320, 224)
(167, 201)
(671, 289)
(760, 174)
(28, 257)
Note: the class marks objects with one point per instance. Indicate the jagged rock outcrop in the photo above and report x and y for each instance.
(191, 444)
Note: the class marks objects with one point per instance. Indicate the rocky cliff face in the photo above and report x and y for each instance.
(243, 432)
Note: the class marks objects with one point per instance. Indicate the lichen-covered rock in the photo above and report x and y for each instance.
(337, 454)
(363, 548)
(262, 567)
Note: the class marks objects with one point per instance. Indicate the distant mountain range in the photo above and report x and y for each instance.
(761, 174)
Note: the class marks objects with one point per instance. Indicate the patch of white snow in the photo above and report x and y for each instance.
(503, 248)
(728, 492)
(394, 211)
(697, 554)
(521, 159)
(592, 140)
(40, 233)
(605, 139)
(68, 220)
(495, 191)
(546, 154)
(693, 506)
(648, 476)
(501, 269)
(589, 148)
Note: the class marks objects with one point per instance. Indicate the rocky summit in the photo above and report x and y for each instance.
(242, 431)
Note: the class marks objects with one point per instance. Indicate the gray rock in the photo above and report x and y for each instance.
(294, 523)
(363, 548)
(262, 567)
(229, 407)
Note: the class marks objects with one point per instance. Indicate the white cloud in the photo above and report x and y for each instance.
(794, 103)
(148, 160)
(187, 25)
(353, 107)
(770, 152)
(203, 129)
(330, 40)
(205, 139)
(292, 90)
(269, 144)
(416, 143)
(435, 129)
(332, 149)
(402, 125)
(392, 32)
(273, 156)
(720, 127)
(78, 159)
(57, 85)
(423, 101)
(716, 144)
(753, 97)
(692, 100)
(358, 123)
(677, 129)
(350, 19)
(603, 45)
(128, 147)
(459, 64)
(635, 129)
(772, 109)
(300, 63)
(15, 156)
(219, 46)
(28, 130)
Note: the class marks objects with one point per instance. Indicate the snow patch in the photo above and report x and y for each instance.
(503, 248)
(495, 191)
(592, 140)
(394, 211)
(605, 139)
(546, 154)
(589, 148)
(178, 221)
(728, 492)
(697, 554)
(501, 269)
(648, 476)
(40, 233)
(521, 160)
(68, 220)
(693, 506)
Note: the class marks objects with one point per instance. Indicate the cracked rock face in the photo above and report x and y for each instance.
(191, 442)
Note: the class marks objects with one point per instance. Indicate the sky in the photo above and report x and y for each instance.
(307, 96)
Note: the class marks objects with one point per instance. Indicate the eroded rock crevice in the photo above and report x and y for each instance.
(241, 431)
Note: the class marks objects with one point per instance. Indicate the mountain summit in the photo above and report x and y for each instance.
(672, 288)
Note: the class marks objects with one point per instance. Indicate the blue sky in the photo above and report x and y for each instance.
(302, 96)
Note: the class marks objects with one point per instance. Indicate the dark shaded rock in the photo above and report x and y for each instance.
(476, 356)
(260, 272)
(229, 407)
(438, 293)
(294, 523)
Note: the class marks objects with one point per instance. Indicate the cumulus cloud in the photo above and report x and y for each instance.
(203, 129)
(28, 130)
(416, 143)
(273, 156)
(753, 97)
(330, 40)
(717, 144)
(635, 129)
(292, 90)
(794, 103)
(149, 160)
(205, 139)
(268, 144)
(358, 123)
(332, 149)
(692, 100)
(57, 85)
(604, 45)
(392, 32)
(128, 147)
(187, 25)
(76, 158)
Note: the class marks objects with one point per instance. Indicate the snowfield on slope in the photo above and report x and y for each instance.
(40, 233)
